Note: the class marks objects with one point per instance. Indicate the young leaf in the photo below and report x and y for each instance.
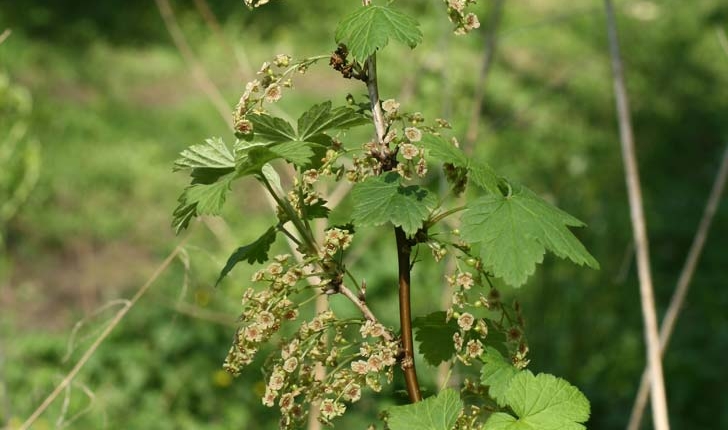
(515, 231)
(370, 27)
(433, 413)
(496, 373)
(252, 160)
(253, 252)
(443, 151)
(482, 175)
(435, 337)
(201, 199)
(270, 129)
(316, 210)
(212, 154)
(541, 402)
(383, 199)
(298, 153)
(320, 118)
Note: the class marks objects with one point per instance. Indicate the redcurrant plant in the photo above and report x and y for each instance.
(505, 230)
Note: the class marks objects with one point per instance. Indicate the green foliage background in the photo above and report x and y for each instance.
(114, 103)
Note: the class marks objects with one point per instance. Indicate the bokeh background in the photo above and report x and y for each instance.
(96, 101)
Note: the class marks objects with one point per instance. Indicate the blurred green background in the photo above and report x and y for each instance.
(96, 101)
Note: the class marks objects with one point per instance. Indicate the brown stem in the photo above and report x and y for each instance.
(405, 315)
(634, 192)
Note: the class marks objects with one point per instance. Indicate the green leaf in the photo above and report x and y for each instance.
(201, 199)
(433, 413)
(316, 210)
(209, 197)
(383, 199)
(515, 231)
(208, 161)
(253, 252)
(496, 373)
(541, 402)
(298, 153)
(435, 337)
(482, 175)
(443, 151)
(370, 27)
(212, 154)
(184, 213)
(253, 160)
(320, 118)
(270, 129)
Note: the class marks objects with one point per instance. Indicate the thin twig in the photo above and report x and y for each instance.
(681, 290)
(659, 402)
(211, 20)
(102, 337)
(5, 34)
(198, 72)
(491, 34)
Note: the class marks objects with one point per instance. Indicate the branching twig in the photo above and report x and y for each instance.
(659, 403)
(488, 53)
(681, 290)
(102, 337)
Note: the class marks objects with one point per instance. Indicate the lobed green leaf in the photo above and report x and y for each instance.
(515, 231)
(434, 335)
(496, 373)
(321, 118)
(442, 151)
(542, 402)
(434, 413)
(370, 27)
(383, 199)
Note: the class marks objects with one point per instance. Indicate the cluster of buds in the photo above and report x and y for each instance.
(335, 240)
(464, 21)
(303, 197)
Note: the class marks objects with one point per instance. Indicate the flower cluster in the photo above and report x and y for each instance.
(335, 240)
(467, 300)
(264, 311)
(378, 157)
(273, 77)
(323, 342)
(464, 21)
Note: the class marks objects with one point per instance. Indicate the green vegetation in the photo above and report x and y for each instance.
(114, 104)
